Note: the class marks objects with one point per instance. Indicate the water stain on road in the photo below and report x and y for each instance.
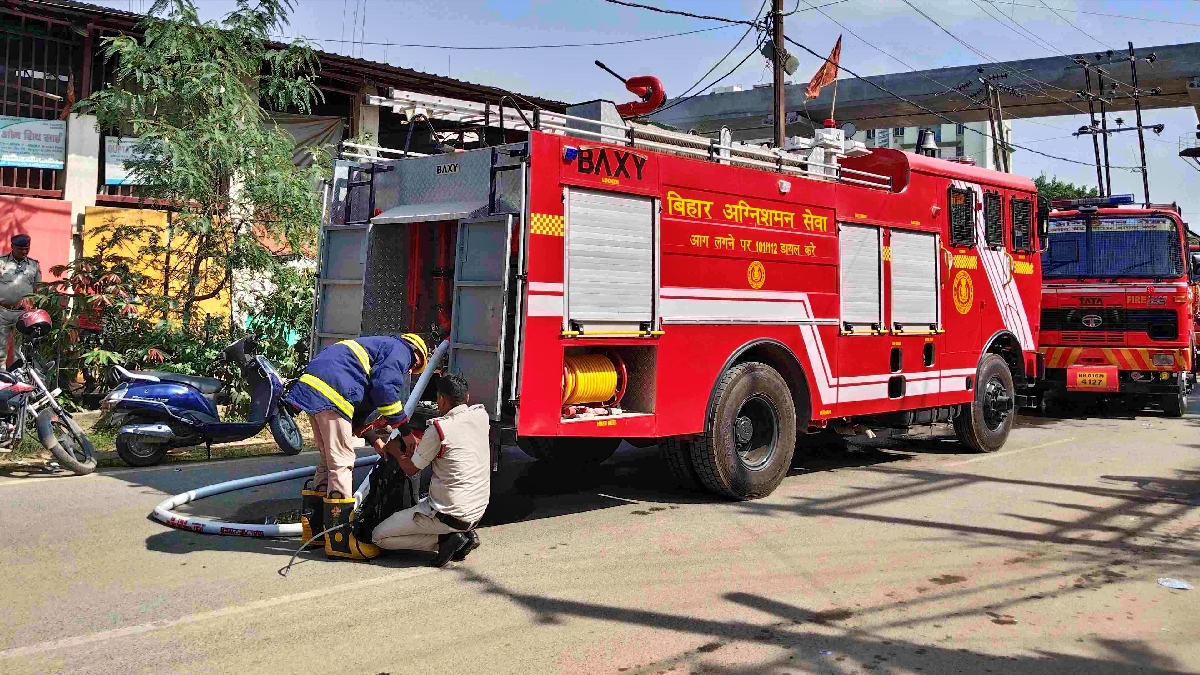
(947, 579)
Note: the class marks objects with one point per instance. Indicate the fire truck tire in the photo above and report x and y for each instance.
(678, 452)
(750, 433)
(1175, 404)
(984, 425)
(576, 451)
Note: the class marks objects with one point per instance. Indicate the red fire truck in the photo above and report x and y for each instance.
(1117, 307)
(602, 280)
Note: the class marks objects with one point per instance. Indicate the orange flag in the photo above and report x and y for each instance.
(828, 72)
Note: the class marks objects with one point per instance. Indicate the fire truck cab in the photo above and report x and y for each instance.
(603, 280)
(1118, 308)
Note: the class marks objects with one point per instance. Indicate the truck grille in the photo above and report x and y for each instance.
(1159, 324)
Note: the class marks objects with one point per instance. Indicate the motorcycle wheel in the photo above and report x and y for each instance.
(136, 451)
(286, 432)
(66, 441)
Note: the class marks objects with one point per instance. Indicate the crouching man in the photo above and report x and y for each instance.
(456, 445)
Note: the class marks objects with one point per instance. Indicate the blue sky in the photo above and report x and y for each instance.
(568, 74)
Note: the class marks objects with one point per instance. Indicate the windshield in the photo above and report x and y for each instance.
(1113, 246)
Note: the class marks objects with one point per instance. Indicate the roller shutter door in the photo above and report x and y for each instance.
(859, 274)
(914, 279)
(610, 259)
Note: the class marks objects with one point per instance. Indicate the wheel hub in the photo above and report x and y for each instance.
(743, 430)
(997, 403)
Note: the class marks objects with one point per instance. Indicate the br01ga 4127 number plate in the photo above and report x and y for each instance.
(1093, 378)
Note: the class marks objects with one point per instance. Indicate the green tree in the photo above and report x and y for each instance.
(194, 92)
(1052, 188)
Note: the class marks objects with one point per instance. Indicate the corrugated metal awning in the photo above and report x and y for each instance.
(421, 213)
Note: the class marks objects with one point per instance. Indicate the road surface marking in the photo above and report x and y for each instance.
(997, 455)
(104, 636)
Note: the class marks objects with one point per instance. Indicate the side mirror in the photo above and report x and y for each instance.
(1196, 264)
(1043, 226)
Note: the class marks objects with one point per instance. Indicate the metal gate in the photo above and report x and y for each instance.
(610, 260)
(477, 334)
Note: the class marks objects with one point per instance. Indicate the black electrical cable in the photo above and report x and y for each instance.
(638, 5)
(1114, 16)
(709, 85)
(553, 46)
(940, 115)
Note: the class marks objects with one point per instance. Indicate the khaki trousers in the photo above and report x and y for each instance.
(335, 441)
(413, 529)
(8, 319)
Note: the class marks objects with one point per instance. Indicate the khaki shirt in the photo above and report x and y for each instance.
(457, 447)
(17, 279)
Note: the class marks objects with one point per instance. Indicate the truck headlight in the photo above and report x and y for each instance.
(1164, 359)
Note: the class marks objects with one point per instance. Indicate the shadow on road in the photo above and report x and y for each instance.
(815, 650)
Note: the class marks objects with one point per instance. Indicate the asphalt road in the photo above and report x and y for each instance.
(904, 556)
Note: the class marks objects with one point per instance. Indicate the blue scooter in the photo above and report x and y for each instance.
(156, 411)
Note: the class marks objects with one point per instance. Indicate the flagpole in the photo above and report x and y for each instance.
(834, 103)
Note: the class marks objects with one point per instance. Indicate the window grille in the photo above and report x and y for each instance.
(962, 216)
(993, 219)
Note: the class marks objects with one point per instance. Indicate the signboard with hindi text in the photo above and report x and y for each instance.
(117, 151)
(36, 144)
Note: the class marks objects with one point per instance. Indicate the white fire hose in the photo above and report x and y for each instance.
(164, 514)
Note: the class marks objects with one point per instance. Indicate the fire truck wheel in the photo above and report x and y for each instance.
(569, 451)
(678, 452)
(1175, 404)
(984, 426)
(750, 435)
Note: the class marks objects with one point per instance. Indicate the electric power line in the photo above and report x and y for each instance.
(1114, 16)
(508, 47)
(951, 90)
(943, 117)
(688, 93)
(660, 10)
(1091, 37)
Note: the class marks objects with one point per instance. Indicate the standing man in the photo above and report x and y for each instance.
(342, 386)
(456, 445)
(19, 274)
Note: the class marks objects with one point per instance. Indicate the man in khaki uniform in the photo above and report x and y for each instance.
(456, 445)
(19, 274)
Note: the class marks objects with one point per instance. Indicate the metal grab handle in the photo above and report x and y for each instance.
(516, 108)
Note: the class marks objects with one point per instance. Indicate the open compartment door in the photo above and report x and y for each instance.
(339, 285)
(480, 316)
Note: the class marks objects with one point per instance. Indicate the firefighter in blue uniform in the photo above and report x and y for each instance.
(344, 384)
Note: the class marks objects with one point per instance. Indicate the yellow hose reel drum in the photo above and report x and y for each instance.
(599, 379)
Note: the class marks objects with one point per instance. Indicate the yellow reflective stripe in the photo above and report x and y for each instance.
(391, 408)
(329, 393)
(360, 353)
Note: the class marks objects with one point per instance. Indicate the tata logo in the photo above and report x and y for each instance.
(610, 163)
(1092, 321)
(443, 169)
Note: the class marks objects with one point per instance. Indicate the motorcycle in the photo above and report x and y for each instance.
(24, 395)
(156, 411)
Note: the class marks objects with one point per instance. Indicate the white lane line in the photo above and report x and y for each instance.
(620, 499)
(104, 636)
(997, 455)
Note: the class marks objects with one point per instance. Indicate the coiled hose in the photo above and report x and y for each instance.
(590, 378)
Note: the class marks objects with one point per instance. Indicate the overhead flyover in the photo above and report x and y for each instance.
(1046, 87)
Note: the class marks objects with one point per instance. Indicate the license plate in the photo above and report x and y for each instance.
(1093, 378)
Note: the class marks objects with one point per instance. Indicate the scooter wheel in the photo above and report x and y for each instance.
(135, 451)
(286, 432)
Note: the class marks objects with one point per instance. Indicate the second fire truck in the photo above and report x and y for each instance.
(602, 280)
(1117, 307)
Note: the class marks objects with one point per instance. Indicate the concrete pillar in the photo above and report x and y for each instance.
(82, 174)
(364, 119)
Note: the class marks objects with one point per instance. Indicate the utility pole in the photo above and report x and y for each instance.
(1137, 106)
(1104, 129)
(1087, 79)
(779, 53)
(992, 90)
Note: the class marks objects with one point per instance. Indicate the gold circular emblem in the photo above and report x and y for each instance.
(756, 274)
(963, 291)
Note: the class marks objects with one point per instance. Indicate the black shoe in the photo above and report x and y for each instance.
(448, 545)
(472, 544)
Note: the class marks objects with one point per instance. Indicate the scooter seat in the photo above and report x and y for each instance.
(206, 385)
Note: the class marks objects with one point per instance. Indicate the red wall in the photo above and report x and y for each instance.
(46, 221)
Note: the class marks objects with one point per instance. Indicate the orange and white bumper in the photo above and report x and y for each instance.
(1124, 358)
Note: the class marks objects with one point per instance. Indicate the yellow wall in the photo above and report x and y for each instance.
(151, 267)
